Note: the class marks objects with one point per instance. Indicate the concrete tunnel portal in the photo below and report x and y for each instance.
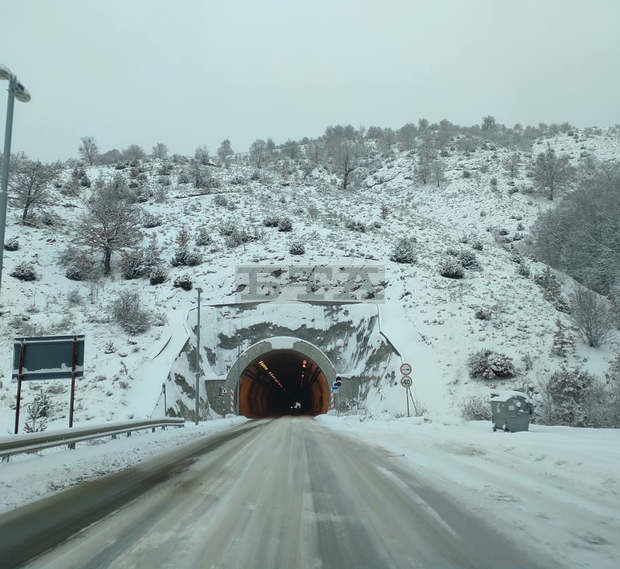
(282, 376)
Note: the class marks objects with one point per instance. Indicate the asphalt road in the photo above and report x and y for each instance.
(280, 494)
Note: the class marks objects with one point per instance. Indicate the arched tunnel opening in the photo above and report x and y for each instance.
(283, 382)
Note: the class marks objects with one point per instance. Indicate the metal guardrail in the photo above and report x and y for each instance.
(35, 442)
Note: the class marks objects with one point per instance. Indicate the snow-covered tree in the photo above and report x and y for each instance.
(111, 223)
(88, 150)
(225, 151)
(258, 153)
(30, 185)
(160, 150)
(552, 173)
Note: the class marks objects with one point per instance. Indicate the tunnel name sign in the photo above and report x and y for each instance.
(308, 283)
(46, 358)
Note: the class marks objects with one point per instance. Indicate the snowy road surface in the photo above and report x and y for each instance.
(286, 493)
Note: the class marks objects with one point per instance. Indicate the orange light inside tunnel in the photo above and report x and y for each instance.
(283, 382)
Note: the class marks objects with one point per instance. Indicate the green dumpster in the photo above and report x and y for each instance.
(511, 411)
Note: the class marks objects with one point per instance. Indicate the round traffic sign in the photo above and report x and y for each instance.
(405, 368)
(406, 381)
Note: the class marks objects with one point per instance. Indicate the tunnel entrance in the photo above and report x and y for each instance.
(282, 376)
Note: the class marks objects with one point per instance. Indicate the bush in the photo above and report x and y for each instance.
(404, 252)
(271, 221)
(591, 315)
(297, 248)
(285, 225)
(202, 237)
(193, 258)
(483, 313)
(451, 268)
(149, 220)
(469, 260)
(220, 200)
(466, 174)
(524, 270)
(24, 272)
(37, 413)
(133, 265)
(354, 225)
(12, 244)
(74, 298)
(487, 364)
(476, 409)
(158, 275)
(80, 264)
(477, 245)
(183, 281)
(128, 313)
(227, 228)
(565, 397)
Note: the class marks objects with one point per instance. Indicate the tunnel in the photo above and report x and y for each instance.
(283, 376)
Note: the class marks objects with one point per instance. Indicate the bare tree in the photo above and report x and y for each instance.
(30, 183)
(160, 150)
(346, 155)
(88, 150)
(438, 169)
(550, 172)
(258, 152)
(133, 152)
(110, 224)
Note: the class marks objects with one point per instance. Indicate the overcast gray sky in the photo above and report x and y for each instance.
(190, 72)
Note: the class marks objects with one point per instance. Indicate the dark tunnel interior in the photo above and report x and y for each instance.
(283, 382)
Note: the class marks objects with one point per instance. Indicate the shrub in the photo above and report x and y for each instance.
(227, 228)
(297, 248)
(523, 270)
(129, 314)
(451, 268)
(12, 244)
(483, 313)
(149, 220)
(477, 245)
(466, 174)
(158, 275)
(487, 364)
(37, 413)
(24, 272)
(285, 225)
(354, 225)
(74, 298)
(164, 180)
(469, 260)
(202, 237)
(220, 200)
(565, 397)
(476, 409)
(133, 265)
(591, 315)
(271, 221)
(193, 258)
(183, 281)
(404, 252)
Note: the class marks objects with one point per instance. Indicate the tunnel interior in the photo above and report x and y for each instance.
(283, 382)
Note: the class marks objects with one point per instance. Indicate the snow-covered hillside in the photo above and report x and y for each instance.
(429, 318)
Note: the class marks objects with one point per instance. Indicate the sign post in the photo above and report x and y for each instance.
(45, 358)
(406, 381)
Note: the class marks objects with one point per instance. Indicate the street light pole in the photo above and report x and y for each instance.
(19, 92)
(197, 387)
